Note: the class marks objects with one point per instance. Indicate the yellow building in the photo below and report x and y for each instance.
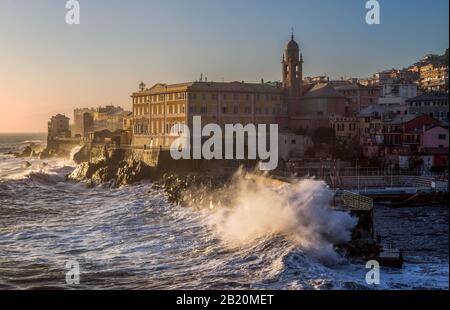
(157, 109)
(345, 127)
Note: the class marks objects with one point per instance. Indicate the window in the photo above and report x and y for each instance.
(442, 137)
(248, 109)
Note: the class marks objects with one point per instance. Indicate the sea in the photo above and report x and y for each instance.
(132, 237)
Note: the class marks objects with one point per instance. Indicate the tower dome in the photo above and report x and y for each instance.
(292, 45)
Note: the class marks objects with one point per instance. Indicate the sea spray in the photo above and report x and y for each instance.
(299, 212)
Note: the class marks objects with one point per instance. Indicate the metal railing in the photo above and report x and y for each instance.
(353, 201)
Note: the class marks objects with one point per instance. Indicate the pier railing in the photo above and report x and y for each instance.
(353, 201)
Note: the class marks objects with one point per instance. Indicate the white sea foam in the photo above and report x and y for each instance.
(300, 212)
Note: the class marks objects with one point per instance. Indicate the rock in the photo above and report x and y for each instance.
(133, 171)
(26, 152)
(81, 156)
(85, 171)
(102, 175)
(26, 165)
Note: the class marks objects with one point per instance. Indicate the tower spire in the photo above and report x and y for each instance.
(292, 33)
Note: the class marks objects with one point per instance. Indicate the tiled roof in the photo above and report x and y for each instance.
(235, 87)
(323, 90)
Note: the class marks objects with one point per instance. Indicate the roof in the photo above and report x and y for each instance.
(292, 45)
(401, 119)
(60, 116)
(349, 86)
(323, 90)
(430, 96)
(434, 127)
(214, 87)
(372, 109)
(235, 87)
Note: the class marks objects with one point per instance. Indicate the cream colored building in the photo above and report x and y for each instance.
(157, 109)
(345, 128)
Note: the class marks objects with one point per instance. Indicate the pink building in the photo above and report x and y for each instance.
(436, 137)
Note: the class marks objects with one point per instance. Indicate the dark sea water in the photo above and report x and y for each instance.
(133, 238)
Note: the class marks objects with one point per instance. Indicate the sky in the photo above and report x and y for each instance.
(49, 67)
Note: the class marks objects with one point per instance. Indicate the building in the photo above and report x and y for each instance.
(292, 146)
(371, 126)
(434, 137)
(292, 104)
(80, 127)
(405, 91)
(345, 128)
(58, 127)
(434, 78)
(318, 104)
(157, 109)
(434, 104)
(87, 120)
(414, 129)
(359, 96)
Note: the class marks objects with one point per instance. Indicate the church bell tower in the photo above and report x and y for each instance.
(292, 67)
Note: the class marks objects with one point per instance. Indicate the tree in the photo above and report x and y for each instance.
(324, 135)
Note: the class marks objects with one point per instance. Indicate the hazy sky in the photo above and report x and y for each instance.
(47, 66)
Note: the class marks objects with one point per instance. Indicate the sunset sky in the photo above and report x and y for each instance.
(49, 67)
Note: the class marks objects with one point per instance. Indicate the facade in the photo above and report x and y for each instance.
(435, 137)
(371, 126)
(434, 104)
(79, 118)
(413, 130)
(406, 91)
(87, 120)
(359, 96)
(291, 145)
(345, 128)
(434, 78)
(157, 109)
(319, 103)
(58, 127)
